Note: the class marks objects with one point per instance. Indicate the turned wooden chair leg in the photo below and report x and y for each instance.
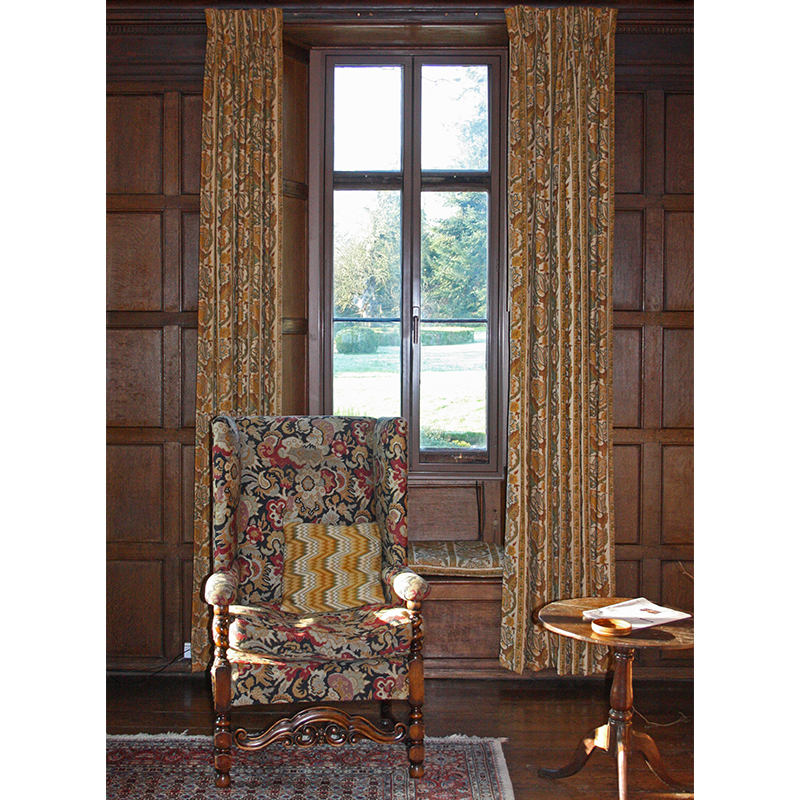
(221, 681)
(416, 696)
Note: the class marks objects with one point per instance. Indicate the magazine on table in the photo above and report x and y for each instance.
(640, 612)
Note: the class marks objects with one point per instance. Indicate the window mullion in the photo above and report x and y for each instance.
(415, 182)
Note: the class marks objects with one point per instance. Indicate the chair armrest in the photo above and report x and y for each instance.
(222, 586)
(409, 586)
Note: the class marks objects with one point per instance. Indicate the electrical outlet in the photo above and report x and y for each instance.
(187, 649)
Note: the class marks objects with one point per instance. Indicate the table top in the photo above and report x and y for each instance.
(564, 617)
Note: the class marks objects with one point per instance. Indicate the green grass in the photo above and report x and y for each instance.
(452, 391)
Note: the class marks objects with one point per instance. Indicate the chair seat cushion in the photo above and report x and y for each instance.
(473, 559)
(371, 631)
(261, 679)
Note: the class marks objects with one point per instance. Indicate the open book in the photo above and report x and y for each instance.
(640, 612)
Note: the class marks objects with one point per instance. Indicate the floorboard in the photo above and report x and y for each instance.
(541, 720)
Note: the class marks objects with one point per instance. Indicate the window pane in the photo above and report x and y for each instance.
(367, 254)
(366, 369)
(454, 255)
(453, 386)
(455, 117)
(367, 117)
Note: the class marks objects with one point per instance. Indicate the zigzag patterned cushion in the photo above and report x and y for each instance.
(331, 567)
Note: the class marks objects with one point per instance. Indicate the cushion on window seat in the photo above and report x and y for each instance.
(474, 559)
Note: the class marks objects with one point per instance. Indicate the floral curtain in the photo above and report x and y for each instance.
(559, 515)
(239, 313)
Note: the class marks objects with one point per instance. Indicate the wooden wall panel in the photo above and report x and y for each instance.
(151, 317)
(678, 363)
(135, 492)
(187, 493)
(447, 512)
(462, 628)
(134, 144)
(677, 506)
(679, 261)
(630, 142)
(679, 148)
(653, 323)
(677, 584)
(134, 608)
(628, 260)
(188, 376)
(295, 250)
(134, 370)
(190, 259)
(191, 119)
(627, 387)
(627, 493)
(295, 107)
(133, 262)
(629, 578)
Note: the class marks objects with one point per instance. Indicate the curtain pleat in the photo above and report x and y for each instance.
(559, 540)
(239, 311)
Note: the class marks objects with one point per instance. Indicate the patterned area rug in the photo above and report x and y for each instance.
(176, 766)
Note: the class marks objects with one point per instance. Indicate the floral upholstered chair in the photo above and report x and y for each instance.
(312, 596)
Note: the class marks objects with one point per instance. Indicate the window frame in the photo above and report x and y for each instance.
(430, 464)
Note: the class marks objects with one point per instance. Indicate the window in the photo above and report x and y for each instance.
(410, 199)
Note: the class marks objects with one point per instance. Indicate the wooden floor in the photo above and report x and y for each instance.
(542, 720)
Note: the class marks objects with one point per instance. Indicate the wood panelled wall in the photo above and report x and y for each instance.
(653, 341)
(154, 81)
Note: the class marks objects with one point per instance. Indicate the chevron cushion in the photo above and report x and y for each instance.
(331, 567)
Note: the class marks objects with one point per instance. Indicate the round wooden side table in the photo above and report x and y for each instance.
(616, 737)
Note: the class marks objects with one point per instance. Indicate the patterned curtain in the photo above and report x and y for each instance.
(239, 314)
(559, 514)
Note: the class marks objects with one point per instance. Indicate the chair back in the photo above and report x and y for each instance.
(268, 471)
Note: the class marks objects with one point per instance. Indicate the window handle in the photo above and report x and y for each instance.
(415, 325)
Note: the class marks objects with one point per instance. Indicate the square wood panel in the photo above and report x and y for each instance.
(188, 376)
(134, 370)
(629, 578)
(629, 142)
(191, 121)
(679, 261)
(677, 585)
(679, 143)
(627, 385)
(134, 257)
(135, 493)
(187, 493)
(677, 494)
(627, 493)
(135, 608)
(190, 259)
(628, 260)
(462, 628)
(295, 118)
(678, 391)
(134, 144)
(443, 513)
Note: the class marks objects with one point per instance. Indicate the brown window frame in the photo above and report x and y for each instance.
(430, 464)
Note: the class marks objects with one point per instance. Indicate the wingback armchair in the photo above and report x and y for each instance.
(312, 596)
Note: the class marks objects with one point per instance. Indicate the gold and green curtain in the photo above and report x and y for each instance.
(559, 540)
(239, 312)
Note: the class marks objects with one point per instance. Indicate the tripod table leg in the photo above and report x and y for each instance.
(647, 747)
(594, 739)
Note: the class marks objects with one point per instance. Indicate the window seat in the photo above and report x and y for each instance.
(473, 559)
